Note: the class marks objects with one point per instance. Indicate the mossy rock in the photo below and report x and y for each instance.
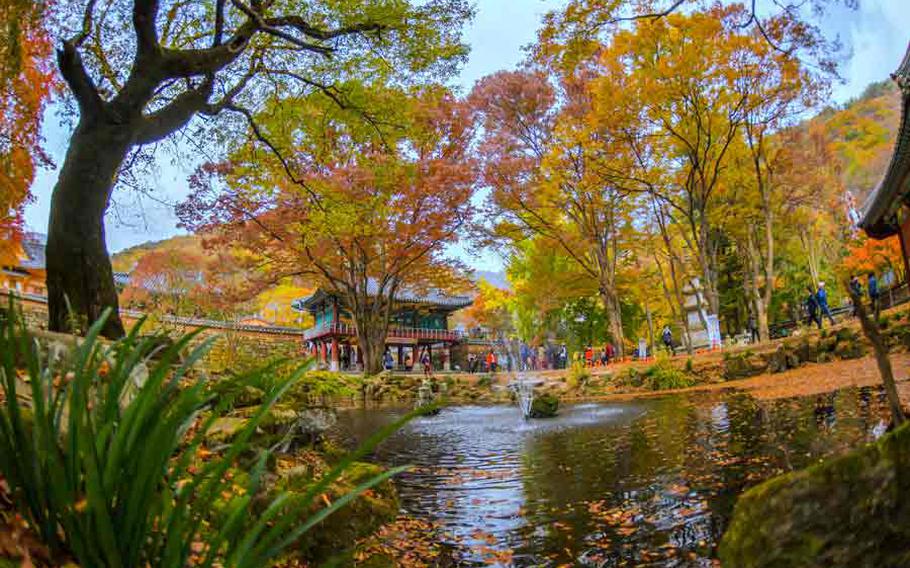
(807, 351)
(777, 360)
(544, 406)
(849, 349)
(743, 365)
(846, 334)
(850, 511)
(827, 344)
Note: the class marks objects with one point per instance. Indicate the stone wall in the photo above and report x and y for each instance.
(233, 349)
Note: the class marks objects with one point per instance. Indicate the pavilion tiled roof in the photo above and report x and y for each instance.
(878, 214)
(33, 246)
(429, 297)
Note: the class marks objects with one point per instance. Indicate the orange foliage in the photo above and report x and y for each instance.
(26, 81)
(870, 255)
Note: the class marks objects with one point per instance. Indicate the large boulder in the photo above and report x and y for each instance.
(744, 364)
(544, 406)
(850, 511)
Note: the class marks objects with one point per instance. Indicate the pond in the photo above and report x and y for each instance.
(645, 483)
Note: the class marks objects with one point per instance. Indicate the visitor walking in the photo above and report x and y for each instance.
(753, 329)
(856, 290)
(611, 352)
(491, 361)
(563, 357)
(812, 308)
(821, 297)
(667, 336)
(387, 361)
(427, 363)
(874, 295)
(589, 356)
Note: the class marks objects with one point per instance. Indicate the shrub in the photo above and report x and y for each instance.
(579, 376)
(105, 465)
(689, 365)
(484, 382)
(663, 375)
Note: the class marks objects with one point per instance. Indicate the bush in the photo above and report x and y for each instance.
(689, 365)
(106, 467)
(484, 382)
(579, 376)
(663, 376)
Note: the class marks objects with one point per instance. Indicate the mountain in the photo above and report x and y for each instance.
(125, 260)
(497, 279)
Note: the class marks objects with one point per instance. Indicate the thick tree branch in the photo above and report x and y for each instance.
(176, 114)
(145, 15)
(275, 30)
(219, 23)
(80, 83)
(305, 28)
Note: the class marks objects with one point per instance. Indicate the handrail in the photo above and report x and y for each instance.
(400, 332)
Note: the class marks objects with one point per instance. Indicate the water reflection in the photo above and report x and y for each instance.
(639, 484)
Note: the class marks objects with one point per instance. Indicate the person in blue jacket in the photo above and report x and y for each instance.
(874, 295)
(822, 297)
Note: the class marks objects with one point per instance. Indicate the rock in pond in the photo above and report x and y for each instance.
(850, 511)
(544, 406)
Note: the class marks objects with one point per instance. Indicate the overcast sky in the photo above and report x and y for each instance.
(876, 36)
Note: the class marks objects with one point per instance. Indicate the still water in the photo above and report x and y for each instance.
(648, 483)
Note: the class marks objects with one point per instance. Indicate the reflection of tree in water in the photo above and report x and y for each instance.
(654, 488)
(664, 487)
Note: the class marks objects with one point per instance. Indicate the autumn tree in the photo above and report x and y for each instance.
(363, 210)
(557, 176)
(141, 70)
(865, 255)
(26, 81)
(491, 309)
(169, 282)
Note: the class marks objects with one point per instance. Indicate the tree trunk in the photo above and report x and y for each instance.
(873, 334)
(757, 301)
(614, 315)
(372, 330)
(372, 344)
(80, 281)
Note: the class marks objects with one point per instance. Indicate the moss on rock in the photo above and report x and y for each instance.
(846, 512)
(544, 406)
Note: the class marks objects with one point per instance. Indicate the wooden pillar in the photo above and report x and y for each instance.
(333, 366)
(400, 355)
(447, 356)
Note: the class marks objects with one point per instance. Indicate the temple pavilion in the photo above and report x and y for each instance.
(887, 209)
(419, 322)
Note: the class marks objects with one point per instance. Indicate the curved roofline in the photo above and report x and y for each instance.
(879, 208)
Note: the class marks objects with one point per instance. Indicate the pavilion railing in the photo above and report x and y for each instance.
(395, 332)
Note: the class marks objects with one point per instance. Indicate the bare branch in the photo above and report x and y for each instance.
(86, 30)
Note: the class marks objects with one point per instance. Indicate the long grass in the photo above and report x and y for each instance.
(104, 469)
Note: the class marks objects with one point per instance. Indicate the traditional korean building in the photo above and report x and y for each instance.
(28, 275)
(887, 209)
(419, 322)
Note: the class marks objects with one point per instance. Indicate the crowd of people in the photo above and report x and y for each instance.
(519, 356)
